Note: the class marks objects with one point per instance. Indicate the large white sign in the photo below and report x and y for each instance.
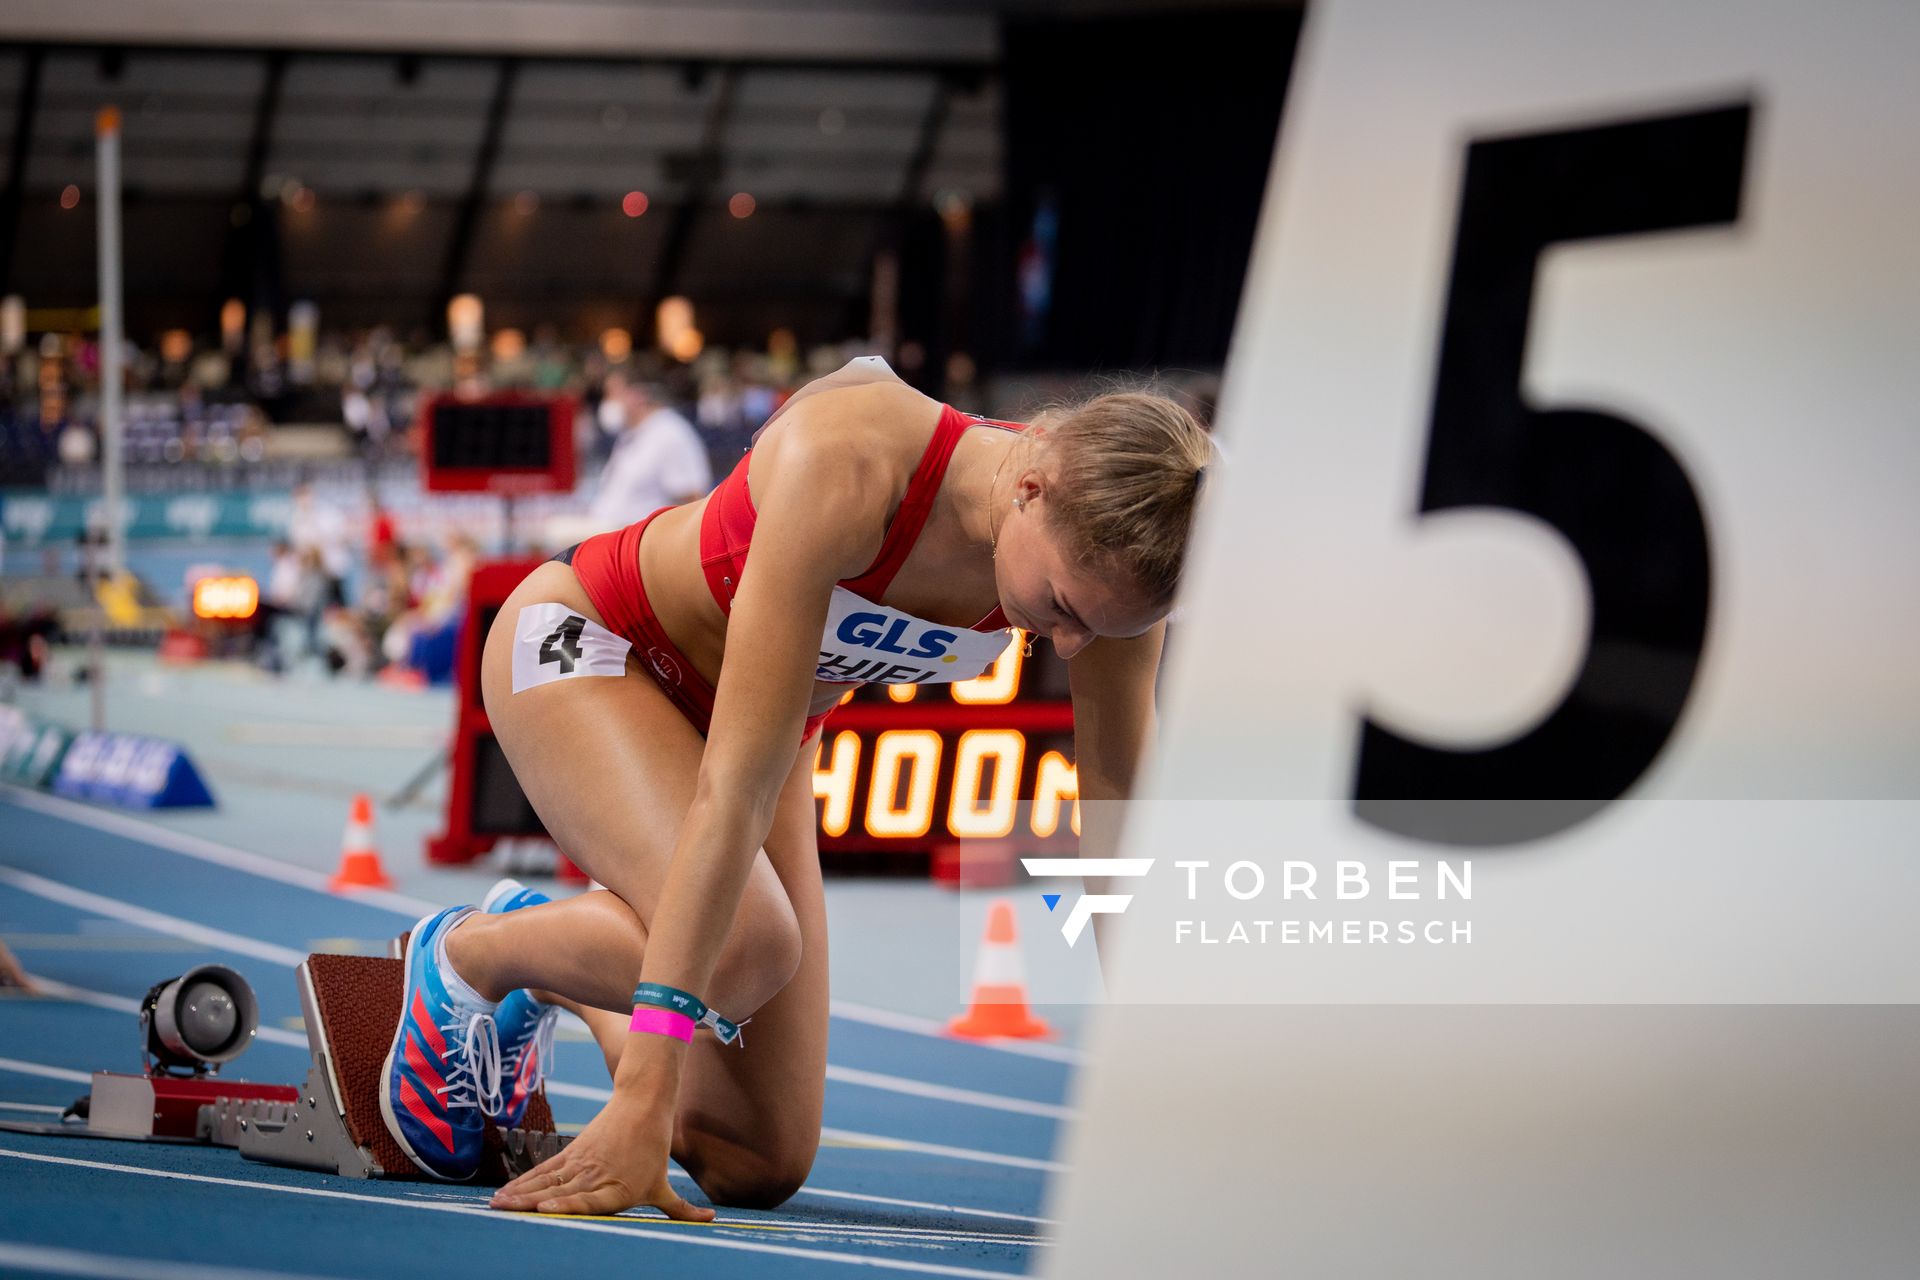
(1574, 416)
(1575, 426)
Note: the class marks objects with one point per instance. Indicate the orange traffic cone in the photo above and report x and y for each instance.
(999, 1004)
(359, 860)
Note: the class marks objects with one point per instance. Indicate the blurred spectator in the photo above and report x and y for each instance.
(386, 593)
(289, 592)
(380, 531)
(318, 526)
(658, 459)
(441, 602)
(24, 638)
(420, 570)
(286, 581)
(312, 596)
(552, 370)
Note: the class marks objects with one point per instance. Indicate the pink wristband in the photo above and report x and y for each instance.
(662, 1022)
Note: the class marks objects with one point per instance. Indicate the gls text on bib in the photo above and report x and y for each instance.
(867, 642)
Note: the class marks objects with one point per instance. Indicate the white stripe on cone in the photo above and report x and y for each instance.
(999, 965)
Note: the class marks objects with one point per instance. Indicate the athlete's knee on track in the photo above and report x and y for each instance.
(739, 1177)
(757, 1187)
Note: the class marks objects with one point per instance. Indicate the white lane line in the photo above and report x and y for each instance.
(159, 922)
(121, 1004)
(44, 1071)
(93, 942)
(852, 1138)
(947, 1093)
(647, 1229)
(42, 887)
(788, 1223)
(934, 1030)
(80, 995)
(874, 1141)
(923, 1204)
(792, 1225)
(413, 908)
(205, 850)
(857, 1197)
(855, 1231)
(105, 1266)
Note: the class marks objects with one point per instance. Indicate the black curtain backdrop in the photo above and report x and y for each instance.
(1151, 138)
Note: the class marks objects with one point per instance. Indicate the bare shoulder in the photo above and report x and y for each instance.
(868, 435)
(867, 416)
(842, 458)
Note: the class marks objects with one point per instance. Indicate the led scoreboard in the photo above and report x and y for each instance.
(505, 443)
(910, 769)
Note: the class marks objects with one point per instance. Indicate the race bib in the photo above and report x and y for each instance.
(869, 643)
(551, 641)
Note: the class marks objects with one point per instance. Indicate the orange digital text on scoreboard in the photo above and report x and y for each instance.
(231, 599)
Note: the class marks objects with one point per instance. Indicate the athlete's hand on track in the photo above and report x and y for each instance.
(617, 1162)
(11, 974)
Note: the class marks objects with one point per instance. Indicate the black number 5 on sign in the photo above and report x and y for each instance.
(1608, 484)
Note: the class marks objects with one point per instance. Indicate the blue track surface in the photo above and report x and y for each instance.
(108, 914)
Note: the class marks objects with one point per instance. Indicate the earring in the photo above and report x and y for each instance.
(1019, 504)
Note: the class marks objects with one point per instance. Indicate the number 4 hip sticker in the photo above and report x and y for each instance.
(551, 641)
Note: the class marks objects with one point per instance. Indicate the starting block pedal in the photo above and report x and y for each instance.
(523, 1149)
(352, 1006)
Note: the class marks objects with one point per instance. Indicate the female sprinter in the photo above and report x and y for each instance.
(660, 705)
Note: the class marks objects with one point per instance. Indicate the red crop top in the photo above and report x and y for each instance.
(726, 528)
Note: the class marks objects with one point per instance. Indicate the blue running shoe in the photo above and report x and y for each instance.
(511, 895)
(526, 1025)
(442, 1075)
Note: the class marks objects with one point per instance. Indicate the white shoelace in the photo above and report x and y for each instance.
(473, 1077)
(540, 1044)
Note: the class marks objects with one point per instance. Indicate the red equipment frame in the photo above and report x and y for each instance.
(492, 582)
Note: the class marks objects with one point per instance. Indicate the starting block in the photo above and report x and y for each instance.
(352, 1005)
